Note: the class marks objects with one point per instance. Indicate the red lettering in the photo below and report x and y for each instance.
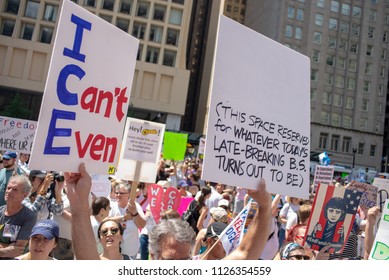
(97, 144)
(121, 100)
(90, 92)
(82, 149)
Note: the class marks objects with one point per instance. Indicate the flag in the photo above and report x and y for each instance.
(351, 199)
(232, 235)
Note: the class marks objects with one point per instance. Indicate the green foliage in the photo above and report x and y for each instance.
(17, 108)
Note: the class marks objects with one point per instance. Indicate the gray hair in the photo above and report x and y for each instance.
(176, 228)
(24, 181)
(123, 185)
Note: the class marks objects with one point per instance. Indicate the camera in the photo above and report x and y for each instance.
(59, 177)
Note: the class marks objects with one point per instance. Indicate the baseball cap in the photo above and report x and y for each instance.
(9, 155)
(219, 214)
(223, 202)
(47, 228)
(215, 229)
(182, 183)
(37, 173)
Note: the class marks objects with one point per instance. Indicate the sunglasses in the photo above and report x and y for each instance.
(104, 232)
(299, 257)
(121, 193)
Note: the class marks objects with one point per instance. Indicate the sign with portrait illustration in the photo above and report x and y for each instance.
(332, 217)
(259, 114)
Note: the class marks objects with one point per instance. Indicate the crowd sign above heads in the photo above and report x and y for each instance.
(174, 145)
(86, 95)
(382, 192)
(323, 174)
(140, 152)
(16, 134)
(259, 114)
(380, 249)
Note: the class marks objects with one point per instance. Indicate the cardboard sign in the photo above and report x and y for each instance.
(369, 196)
(161, 200)
(332, 217)
(174, 145)
(380, 249)
(101, 185)
(140, 152)
(259, 114)
(86, 95)
(171, 199)
(184, 204)
(323, 174)
(16, 134)
(383, 191)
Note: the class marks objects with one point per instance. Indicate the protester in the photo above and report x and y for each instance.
(197, 209)
(100, 211)
(16, 220)
(43, 239)
(214, 248)
(371, 218)
(288, 212)
(110, 234)
(9, 169)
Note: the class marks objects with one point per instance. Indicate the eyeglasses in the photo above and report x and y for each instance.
(104, 232)
(121, 193)
(299, 257)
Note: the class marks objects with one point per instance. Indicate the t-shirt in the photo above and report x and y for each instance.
(16, 227)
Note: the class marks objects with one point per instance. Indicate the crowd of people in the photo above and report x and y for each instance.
(47, 215)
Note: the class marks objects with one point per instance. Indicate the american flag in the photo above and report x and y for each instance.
(351, 199)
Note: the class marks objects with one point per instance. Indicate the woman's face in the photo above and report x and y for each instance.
(334, 214)
(40, 247)
(110, 235)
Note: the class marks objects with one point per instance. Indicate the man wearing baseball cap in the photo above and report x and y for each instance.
(9, 164)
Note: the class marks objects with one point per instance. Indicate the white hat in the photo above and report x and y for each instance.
(223, 202)
(219, 214)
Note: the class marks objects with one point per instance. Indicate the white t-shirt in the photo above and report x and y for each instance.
(271, 247)
(130, 244)
(287, 211)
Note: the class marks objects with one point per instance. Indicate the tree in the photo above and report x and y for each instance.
(17, 108)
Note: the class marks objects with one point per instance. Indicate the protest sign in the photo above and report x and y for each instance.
(380, 249)
(140, 152)
(258, 123)
(174, 145)
(185, 201)
(86, 95)
(383, 191)
(332, 217)
(369, 196)
(161, 199)
(323, 174)
(101, 185)
(201, 146)
(16, 134)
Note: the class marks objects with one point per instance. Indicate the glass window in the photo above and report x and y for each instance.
(372, 150)
(366, 86)
(383, 55)
(335, 121)
(290, 12)
(369, 50)
(333, 24)
(332, 42)
(346, 9)
(365, 105)
(325, 117)
(178, 1)
(159, 13)
(51, 13)
(340, 62)
(349, 102)
(370, 33)
(357, 12)
(107, 18)
(143, 9)
(335, 6)
(172, 37)
(46, 34)
(354, 47)
(342, 45)
(89, 3)
(347, 121)
(152, 55)
(372, 15)
(138, 30)
(361, 147)
(328, 79)
(334, 142)
(346, 144)
(382, 72)
(300, 15)
(31, 9)
(314, 74)
(368, 68)
(344, 26)
(169, 58)
(7, 27)
(385, 37)
(381, 90)
(289, 31)
(175, 16)
(352, 65)
(26, 31)
(319, 19)
(338, 100)
(317, 37)
(313, 94)
(330, 60)
(320, 3)
(350, 83)
(140, 51)
(315, 55)
(355, 29)
(108, 5)
(123, 24)
(363, 124)
(379, 108)
(156, 33)
(323, 140)
(327, 98)
(125, 6)
(12, 6)
(339, 81)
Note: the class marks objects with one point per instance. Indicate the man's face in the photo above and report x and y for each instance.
(333, 214)
(122, 196)
(14, 192)
(171, 249)
(8, 163)
(220, 188)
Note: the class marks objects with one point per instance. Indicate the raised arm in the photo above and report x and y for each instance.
(372, 214)
(78, 190)
(257, 235)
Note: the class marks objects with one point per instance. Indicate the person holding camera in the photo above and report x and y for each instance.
(41, 201)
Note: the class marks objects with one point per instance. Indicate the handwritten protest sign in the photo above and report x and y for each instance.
(332, 217)
(369, 196)
(174, 145)
(258, 124)
(380, 249)
(86, 95)
(161, 199)
(383, 191)
(140, 152)
(16, 134)
(323, 174)
(101, 185)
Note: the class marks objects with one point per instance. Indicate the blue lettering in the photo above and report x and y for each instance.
(65, 96)
(60, 132)
(81, 25)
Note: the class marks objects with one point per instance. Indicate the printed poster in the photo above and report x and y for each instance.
(323, 174)
(251, 134)
(86, 96)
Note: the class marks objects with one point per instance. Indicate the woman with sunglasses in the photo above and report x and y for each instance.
(110, 234)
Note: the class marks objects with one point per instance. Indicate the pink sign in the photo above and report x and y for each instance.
(171, 199)
(185, 201)
(161, 200)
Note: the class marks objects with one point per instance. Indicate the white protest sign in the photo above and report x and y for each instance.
(380, 248)
(323, 174)
(16, 134)
(383, 191)
(101, 185)
(201, 146)
(140, 152)
(259, 115)
(86, 95)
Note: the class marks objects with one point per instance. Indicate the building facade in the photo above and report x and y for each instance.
(347, 42)
(161, 77)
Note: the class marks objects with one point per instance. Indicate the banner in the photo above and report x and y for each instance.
(16, 134)
(380, 249)
(174, 145)
(86, 95)
(259, 114)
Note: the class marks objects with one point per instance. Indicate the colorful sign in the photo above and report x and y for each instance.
(380, 249)
(86, 95)
(259, 114)
(161, 200)
(16, 134)
(174, 145)
(369, 196)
